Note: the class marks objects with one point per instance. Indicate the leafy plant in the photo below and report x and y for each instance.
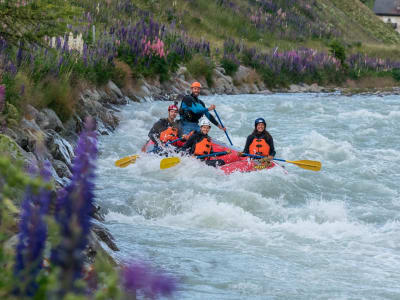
(201, 66)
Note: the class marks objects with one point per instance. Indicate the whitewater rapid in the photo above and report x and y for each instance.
(299, 234)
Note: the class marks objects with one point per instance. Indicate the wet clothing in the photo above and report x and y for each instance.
(260, 144)
(164, 131)
(200, 144)
(191, 110)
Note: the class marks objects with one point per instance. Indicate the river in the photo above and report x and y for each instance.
(333, 234)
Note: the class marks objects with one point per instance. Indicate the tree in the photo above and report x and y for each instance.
(29, 21)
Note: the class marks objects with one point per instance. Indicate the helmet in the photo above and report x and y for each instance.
(204, 122)
(260, 120)
(172, 107)
(196, 84)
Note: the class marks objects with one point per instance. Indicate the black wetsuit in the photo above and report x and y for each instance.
(155, 131)
(192, 109)
(263, 135)
(190, 147)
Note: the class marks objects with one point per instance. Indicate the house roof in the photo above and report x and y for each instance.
(387, 7)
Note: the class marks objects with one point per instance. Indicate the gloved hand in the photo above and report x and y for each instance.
(241, 154)
(265, 159)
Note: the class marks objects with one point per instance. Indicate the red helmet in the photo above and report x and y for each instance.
(172, 107)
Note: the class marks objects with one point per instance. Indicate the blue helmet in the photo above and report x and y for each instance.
(260, 120)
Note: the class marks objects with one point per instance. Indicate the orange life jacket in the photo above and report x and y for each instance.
(259, 147)
(169, 134)
(203, 147)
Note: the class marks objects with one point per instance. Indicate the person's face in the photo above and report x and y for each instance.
(196, 91)
(172, 114)
(205, 129)
(260, 127)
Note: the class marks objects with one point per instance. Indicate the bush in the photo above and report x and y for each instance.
(229, 65)
(58, 96)
(199, 66)
(396, 74)
(337, 50)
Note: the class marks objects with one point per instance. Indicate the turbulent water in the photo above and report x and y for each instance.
(299, 234)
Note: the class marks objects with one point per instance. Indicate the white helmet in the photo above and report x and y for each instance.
(204, 122)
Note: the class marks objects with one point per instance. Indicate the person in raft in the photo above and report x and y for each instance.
(260, 142)
(200, 144)
(193, 109)
(164, 131)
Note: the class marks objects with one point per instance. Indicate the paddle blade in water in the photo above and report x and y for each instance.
(307, 164)
(169, 162)
(126, 161)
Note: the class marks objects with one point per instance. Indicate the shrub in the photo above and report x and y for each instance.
(58, 96)
(230, 65)
(337, 50)
(199, 66)
(396, 74)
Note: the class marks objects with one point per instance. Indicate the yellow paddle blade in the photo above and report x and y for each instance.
(126, 161)
(307, 164)
(169, 162)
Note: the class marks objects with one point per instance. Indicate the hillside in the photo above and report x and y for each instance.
(284, 23)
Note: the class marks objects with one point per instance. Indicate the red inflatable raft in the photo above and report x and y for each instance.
(233, 162)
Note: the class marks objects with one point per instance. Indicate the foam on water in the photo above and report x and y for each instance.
(271, 234)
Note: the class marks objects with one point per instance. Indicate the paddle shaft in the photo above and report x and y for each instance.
(305, 164)
(212, 154)
(171, 142)
(220, 122)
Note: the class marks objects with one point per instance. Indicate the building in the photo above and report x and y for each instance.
(389, 12)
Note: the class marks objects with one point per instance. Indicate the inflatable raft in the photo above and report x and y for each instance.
(233, 162)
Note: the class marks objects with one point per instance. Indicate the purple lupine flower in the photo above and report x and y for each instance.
(141, 278)
(32, 236)
(19, 54)
(74, 208)
(2, 96)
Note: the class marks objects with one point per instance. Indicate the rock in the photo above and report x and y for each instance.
(315, 88)
(265, 92)
(113, 88)
(48, 119)
(104, 235)
(10, 148)
(242, 74)
(30, 112)
(59, 147)
(61, 168)
(181, 73)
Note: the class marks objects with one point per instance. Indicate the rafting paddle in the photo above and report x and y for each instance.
(220, 122)
(126, 161)
(304, 164)
(169, 162)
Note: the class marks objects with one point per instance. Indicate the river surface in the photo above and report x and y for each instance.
(333, 234)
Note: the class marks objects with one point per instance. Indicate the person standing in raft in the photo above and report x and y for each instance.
(200, 144)
(193, 109)
(167, 130)
(260, 142)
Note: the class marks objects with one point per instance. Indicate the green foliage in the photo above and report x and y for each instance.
(229, 65)
(28, 24)
(105, 275)
(200, 66)
(396, 74)
(337, 50)
(58, 96)
(151, 66)
(12, 93)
